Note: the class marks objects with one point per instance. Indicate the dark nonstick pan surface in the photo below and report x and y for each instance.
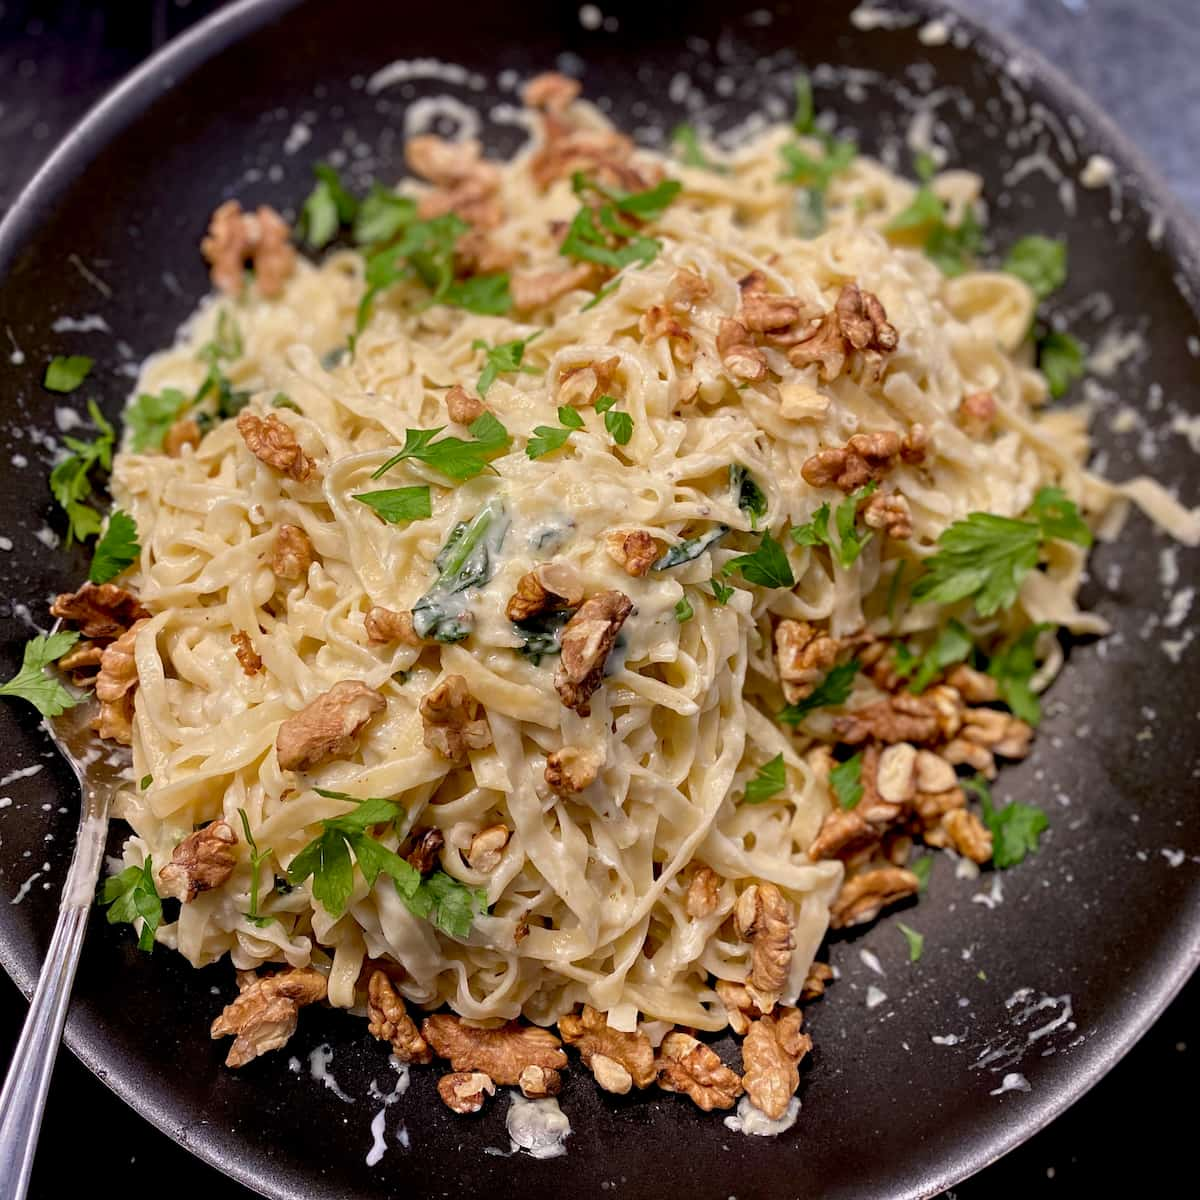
(1101, 927)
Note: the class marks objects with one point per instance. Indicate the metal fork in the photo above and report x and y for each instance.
(99, 769)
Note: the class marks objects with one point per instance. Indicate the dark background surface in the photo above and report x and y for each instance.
(1138, 57)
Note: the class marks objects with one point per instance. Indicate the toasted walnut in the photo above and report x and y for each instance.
(961, 752)
(764, 312)
(930, 807)
(969, 835)
(740, 1006)
(895, 776)
(703, 893)
(865, 457)
(900, 718)
(81, 662)
(687, 1065)
(536, 1083)
(465, 1091)
(586, 641)
(842, 835)
(477, 253)
(889, 512)
(977, 414)
(272, 441)
(427, 845)
(550, 91)
(610, 1075)
(686, 290)
(803, 654)
(115, 684)
(864, 895)
(914, 446)
(114, 721)
(100, 610)
(549, 587)
(762, 917)
(771, 1055)
(857, 322)
(591, 1035)
(184, 432)
(462, 407)
(635, 550)
(292, 554)
(974, 686)
(824, 344)
(818, 977)
(388, 1020)
(264, 1016)
(444, 162)
(327, 727)
(934, 774)
(572, 769)
(1000, 732)
(873, 807)
(474, 198)
(487, 848)
(535, 289)
(503, 1052)
(235, 236)
(602, 154)
(388, 625)
(453, 721)
(201, 862)
(248, 658)
(658, 322)
(742, 358)
(584, 385)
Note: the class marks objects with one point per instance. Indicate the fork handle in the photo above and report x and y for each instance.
(24, 1096)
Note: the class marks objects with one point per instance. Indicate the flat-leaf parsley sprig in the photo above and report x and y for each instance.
(46, 693)
(452, 456)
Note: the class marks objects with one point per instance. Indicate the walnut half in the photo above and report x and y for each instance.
(201, 862)
(587, 639)
(453, 721)
(388, 1020)
(761, 917)
(771, 1055)
(326, 728)
(501, 1053)
(687, 1065)
(264, 1015)
(591, 1035)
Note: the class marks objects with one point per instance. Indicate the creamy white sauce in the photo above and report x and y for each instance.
(1097, 172)
(1012, 1082)
(318, 1068)
(875, 997)
(753, 1122)
(378, 1141)
(20, 773)
(871, 961)
(538, 1127)
(945, 1039)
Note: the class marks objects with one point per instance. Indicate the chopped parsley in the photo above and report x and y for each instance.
(1012, 667)
(812, 175)
(769, 780)
(145, 782)
(505, 358)
(45, 692)
(850, 543)
(619, 425)
(600, 233)
(686, 142)
(951, 247)
(382, 214)
(65, 374)
(117, 549)
(397, 505)
(833, 690)
(226, 342)
(683, 610)
(747, 495)
(921, 868)
(132, 897)
(1060, 359)
(328, 207)
(722, 592)
(453, 456)
(1015, 828)
(1041, 262)
(548, 438)
(149, 417)
(846, 781)
(952, 645)
(915, 940)
(767, 566)
(70, 480)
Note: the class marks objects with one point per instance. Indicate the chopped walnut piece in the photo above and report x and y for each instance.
(977, 414)
(427, 844)
(547, 588)
(248, 658)
(184, 432)
(857, 322)
(292, 554)
(272, 441)
(584, 385)
(388, 625)
(201, 862)
(572, 769)
(740, 1006)
(703, 893)
(822, 344)
(264, 1016)
(971, 839)
(974, 686)
(536, 1083)
(890, 512)
(535, 289)
(235, 236)
(610, 1075)
(388, 1020)
(602, 154)
(865, 457)
(462, 407)
(659, 322)
(100, 610)
(771, 1055)
(586, 641)
(686, 290)
(762, 917)
(914, 446)
(803, 654)
(503, 1052)
(465, 1091)
(818, 977)
(687, 1065)
(842, 835)
(865, 894)
(550, 91)
(634, 549)
(933, 773)
(895, 776)
(764, 312)
(930, 807)
(81, 662)
(591, 1035)
(327, 727)
(115, 684)
(961, 752)
(453, 720)
(487, 848)
(442, 161)
(900, 718)
(742, 358)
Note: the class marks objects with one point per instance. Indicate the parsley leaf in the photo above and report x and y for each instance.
(70, 479)
(849, 544)
(923, 211)
(599, 234)
(453, 456)
(619, 425)
(1012, 668)
(834, 689)
(814, 532)
(149, 417)
(767, 566)
(804, 120)
(1040, 262)
(382, 215)
(1060, 359)
(117, 549)
(915, 940)
(1015, 828)
(446, 903)
(226, 342)
(687, 149)
(45, 692)
(329, 206)
(952, 645)
(1059, 518)
(503, 358)
(487, 295)
(396, 505)
(66, 374)
(951, 247)
(683, 610)
(722, 592)
(769, 780)
(846, 781)
(130, 897)
(921, 868)
(548, 438)
(747, 495)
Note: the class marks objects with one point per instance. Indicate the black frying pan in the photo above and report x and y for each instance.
(1101, 927)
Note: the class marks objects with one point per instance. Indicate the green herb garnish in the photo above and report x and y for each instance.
(65, 374)
(846, 781)
(1015, 828)
(1041, 262)
(683, 610)
(1060, 359)
(397, 505)
(45, 692)
(833, 690)
(767, 566)
(70, 479)
(130, 897)
(769, 780)
(1012, 667)
(117, 549)
(452, 456)
(915, 940)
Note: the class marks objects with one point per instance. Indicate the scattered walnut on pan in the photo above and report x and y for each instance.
(686, 290)
(547, 588)
(740, 1005)
(819, 976)
(584, 385)
(590, 1034)
(427, 844)
(687, 1065)
(634, 550)
(184, 432)
(535, 289)
(328, 726)
(930, 807)
(603, 154)
(761, 917)
(101, 610)
(703, 893)
(388, 1020)
(462, 407)
(387, 625)
(487, 848)
(895, 776)
(771, 1056)
(536, 1083)
(864, 895)
(865, 457)
(453, 721)
(264, 1016)
(465, 1091)
(116, 682)
(1000, 732)
(248, 658)
(977, 414)
(444, 162)
(550, 91)
(235, 236)
(201, 862)
(934, 774)
(873, 807)
(803, 654)
(971, 839)
(292, 554)
(742, 358)
(572, 769)
(890, 512)
(272, 441)
(842, 835)
(503, 1053)
(586, 641)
